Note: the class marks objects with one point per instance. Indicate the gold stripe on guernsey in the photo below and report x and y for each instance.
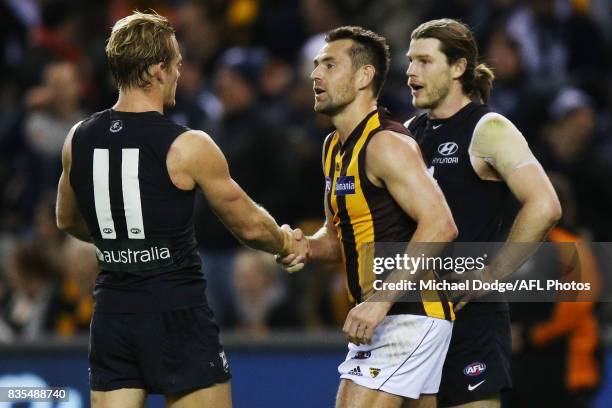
(432, 302)
(330, 161)
(333, 169)
(360, 215)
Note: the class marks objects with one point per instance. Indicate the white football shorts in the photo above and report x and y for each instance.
(405, 358)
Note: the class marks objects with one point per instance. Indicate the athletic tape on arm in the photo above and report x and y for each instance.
(500, 143)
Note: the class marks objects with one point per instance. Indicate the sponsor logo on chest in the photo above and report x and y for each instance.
(345, 185)
(447, 154)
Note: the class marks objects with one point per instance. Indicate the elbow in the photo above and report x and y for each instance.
(552, 211)
(548, 208)
(449, 230)
(446, 229)
(62, 223)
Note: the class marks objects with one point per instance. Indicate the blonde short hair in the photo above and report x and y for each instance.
(137, 42)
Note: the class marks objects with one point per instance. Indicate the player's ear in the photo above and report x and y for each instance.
(156, 71)
(365, 76)
(458, 68)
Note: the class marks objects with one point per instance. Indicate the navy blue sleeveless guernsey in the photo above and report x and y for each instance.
(477, 205)
(141, 224)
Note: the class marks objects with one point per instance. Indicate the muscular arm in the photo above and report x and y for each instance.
(394, 161)
(194, 159)
(68, 216)
(503, 147)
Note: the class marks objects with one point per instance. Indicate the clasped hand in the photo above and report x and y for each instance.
(300, 251)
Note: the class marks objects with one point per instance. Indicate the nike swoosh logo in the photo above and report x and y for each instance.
(434, 127)
(473, 387)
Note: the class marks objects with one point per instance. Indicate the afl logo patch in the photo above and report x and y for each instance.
(448, 148)
(475, 369)
(116, 125)
(135, 230)
(107, 230)
(362, 355)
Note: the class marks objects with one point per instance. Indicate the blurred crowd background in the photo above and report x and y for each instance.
(245, 81)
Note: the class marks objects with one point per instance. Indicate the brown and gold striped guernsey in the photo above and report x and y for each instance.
(364, 213)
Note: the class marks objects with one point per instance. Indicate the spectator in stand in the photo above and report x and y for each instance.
(54, 109)
(259, 160)
(73, 305)
(33, 280)
(513, 93)
(576, 144)
(552, 38)
(260, 297)
(556, 357)
(56, 39)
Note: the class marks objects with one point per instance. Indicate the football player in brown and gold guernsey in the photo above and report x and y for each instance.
(377, 189)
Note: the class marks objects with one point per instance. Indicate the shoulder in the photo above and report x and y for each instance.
(386, 145)
(495, 130)
(67, 147)
(70, 135)
(193, 156)
(493, 122)
(192, 143)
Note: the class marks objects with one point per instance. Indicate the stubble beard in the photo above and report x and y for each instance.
(335, 105)
(434, 97)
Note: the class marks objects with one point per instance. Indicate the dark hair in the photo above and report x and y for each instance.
(369, 49)
(457, 41)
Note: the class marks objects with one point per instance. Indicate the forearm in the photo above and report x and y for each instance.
(437, 229)
(325, 246)
(531, 226)
(533, 223)
(428, 241)
(260, 231)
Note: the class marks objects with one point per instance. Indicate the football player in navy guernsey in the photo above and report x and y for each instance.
(128, 185)
(478, 158)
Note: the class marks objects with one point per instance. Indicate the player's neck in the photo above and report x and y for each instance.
(139, 100)
(453, 103)
(347, 120)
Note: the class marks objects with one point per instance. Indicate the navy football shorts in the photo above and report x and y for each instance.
(168, 353)
(477, 366)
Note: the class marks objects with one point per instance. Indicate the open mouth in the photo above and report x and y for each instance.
(416, 87)
(318, 90)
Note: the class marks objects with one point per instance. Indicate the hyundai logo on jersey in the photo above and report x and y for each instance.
(448, 148)
(345, 185)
